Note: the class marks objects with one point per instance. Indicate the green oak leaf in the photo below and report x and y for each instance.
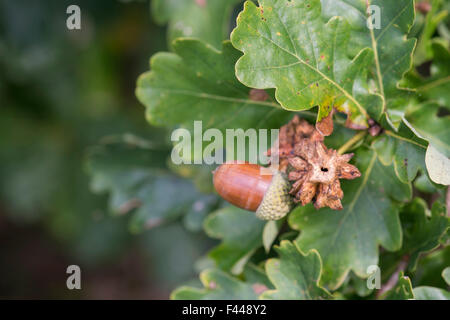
(256, 275)
(433, 18)
(432, 293)
(446, 275)
(194, 217)
(348, 239)
(392, 49)
(241, 234)
(403, 148)
(208, 20)
(270, 233)
(134, 173)
(217, 286)
(438, 166)
(401, 291)
(197, 82)
(434, 128)
(430, 267)
(287, 46)
(295, 275)
(410, 151)
(424, 184)
(436, 87)
(422, 234)
(357, 285)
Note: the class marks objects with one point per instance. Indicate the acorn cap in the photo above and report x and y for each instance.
(277, 201)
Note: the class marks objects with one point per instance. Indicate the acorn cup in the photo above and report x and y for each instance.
(245, 186)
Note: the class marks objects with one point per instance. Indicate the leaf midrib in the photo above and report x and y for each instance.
(376, 58)
(374, 41)
(205, 95)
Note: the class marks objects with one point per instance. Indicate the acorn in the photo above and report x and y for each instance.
(245, 186)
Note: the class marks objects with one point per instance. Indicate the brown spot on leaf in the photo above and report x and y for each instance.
(258, 95)
(201, 3)
(259, 288)
(212, 285)
(325, 126)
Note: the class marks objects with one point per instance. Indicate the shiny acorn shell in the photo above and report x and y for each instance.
(244, 185)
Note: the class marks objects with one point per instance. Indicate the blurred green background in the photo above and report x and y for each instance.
(61, 92)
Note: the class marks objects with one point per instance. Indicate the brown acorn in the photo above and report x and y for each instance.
(244, 185)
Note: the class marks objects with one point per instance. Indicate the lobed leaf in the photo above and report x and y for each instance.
(404, 149)
(433, 128)
(208, 20)
(436, 86)
(257, 275)
(295, 275)
(410, 151)
(288, 47)
(241, 234)
(446, 275)
(433, 18)
(401, 291)
(197, 82)
(348, 239)
(430, 293)
(134, 174)
(392, 49)
(422, 234)
(217, 286)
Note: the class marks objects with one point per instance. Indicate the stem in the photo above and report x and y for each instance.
(357, 137)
